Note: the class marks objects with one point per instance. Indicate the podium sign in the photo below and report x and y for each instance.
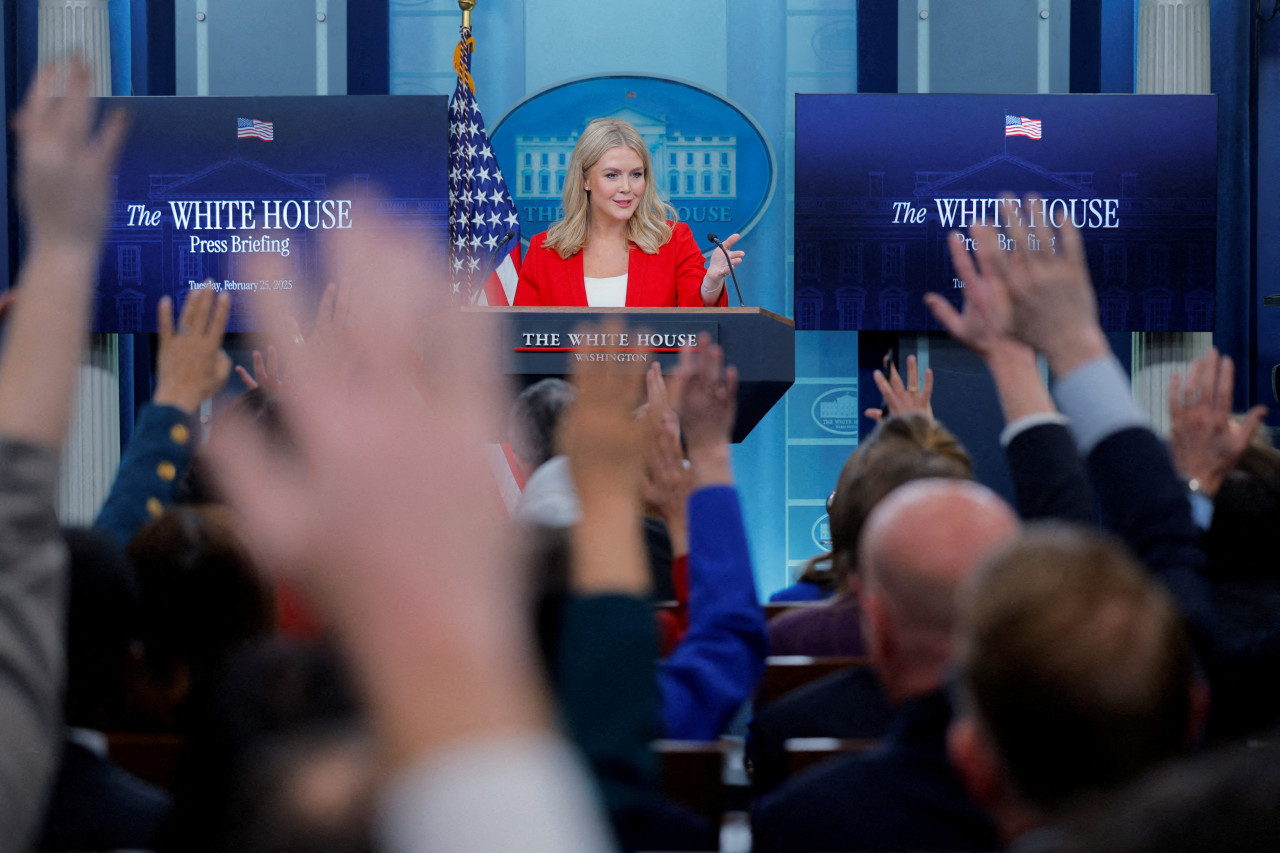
(541, 342)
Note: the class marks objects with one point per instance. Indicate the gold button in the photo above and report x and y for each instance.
(155, 507)
(180, 434)
(166, 471)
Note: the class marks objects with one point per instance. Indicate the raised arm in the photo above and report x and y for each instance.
(1048, 474)
(63, 186)
(1207, 442)
(717, 664)
(64, 165)
(385, 510)
(899, 397)
(191, 367)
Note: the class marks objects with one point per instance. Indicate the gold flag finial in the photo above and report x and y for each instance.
(466, 6)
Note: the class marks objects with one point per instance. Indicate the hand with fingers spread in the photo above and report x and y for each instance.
(1206, 441)
(708, 406)
(981, 325)
(899, 398)
(191, 365)
(268, 373)
(985, 315)
(64, 161)
(1051, 303)
(63, 179)
(718, 268)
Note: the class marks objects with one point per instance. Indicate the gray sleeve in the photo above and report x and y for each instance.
(32, 613)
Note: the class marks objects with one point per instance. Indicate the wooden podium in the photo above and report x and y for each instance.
(540, 342)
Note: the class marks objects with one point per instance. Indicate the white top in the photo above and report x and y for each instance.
(502, 794)
(606, 292)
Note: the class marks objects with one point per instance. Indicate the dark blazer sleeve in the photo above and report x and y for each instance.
(1049, 477)
(149, 474)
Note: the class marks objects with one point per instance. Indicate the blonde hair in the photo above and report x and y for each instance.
(647, 227)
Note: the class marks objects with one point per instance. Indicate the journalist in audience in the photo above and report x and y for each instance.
(1075, 676)
(919, 544)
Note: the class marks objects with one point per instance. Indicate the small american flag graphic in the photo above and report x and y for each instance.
(1021, 126)
(252, 128)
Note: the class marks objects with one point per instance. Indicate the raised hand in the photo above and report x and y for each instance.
(985, 316)
(708, 405)
(718, 266)
(385, 509)
(268, 373)
(191, 365)
(64, 166)
(983, 325)
(64, 162)
(900, 398)
(1206, 441)
(1052, 306)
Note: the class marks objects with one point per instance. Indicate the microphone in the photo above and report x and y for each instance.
(716, 240)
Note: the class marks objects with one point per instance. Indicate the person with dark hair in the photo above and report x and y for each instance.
(549, 496)
(203, 598)
(531, 423)
(1075, 677)
(848, 704)
(902, 447)
(919, 544)
(280, 759)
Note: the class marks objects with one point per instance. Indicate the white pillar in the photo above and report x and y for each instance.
(70, 27)
(92, 453)
(1173, 59)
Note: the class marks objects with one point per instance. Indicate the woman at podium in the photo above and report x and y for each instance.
(618, 244)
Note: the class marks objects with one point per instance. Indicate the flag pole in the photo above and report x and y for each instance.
(466, 6)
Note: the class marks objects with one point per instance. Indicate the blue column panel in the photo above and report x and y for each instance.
(575, 38)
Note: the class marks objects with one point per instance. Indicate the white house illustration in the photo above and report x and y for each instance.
(842, 407)
(687, 166)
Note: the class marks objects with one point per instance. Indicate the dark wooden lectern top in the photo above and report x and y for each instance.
(540, 342)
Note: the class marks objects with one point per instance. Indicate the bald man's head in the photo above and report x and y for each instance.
(918, 546)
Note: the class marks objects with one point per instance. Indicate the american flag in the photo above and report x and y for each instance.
(251, 128)
(1021, 126)
(484, 231)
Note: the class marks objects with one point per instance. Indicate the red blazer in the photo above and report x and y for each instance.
(671, 277)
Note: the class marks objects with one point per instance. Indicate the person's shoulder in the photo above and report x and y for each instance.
(536, 241)
(822, 791)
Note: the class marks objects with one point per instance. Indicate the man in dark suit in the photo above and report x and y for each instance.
(1076, 676)
(918, 546)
